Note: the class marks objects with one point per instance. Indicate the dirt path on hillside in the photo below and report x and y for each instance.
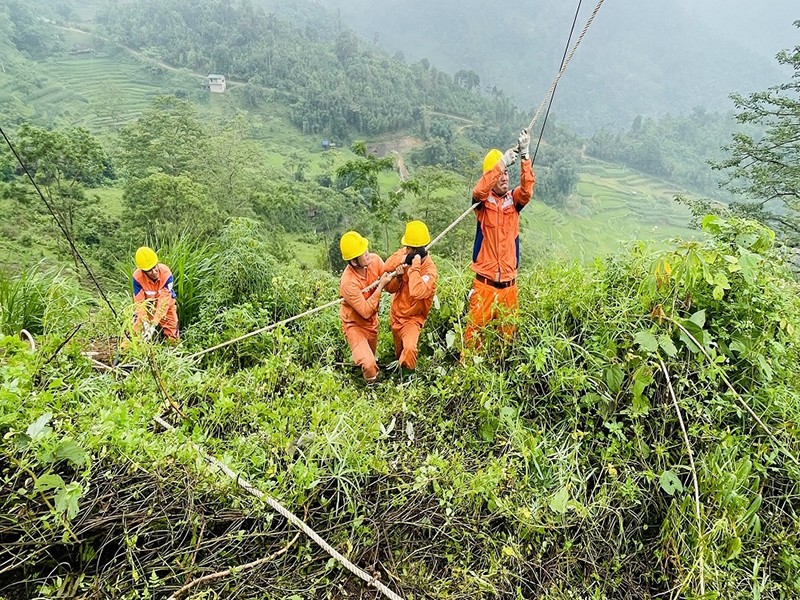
(143, 57)
(396, 147)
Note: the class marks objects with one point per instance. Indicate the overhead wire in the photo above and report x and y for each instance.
(63, 229)
(461, 217)
(553, 95)
(369, 579)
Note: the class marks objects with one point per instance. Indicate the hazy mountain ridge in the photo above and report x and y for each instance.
(662, 59)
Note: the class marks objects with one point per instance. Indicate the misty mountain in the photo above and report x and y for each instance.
(638, 58)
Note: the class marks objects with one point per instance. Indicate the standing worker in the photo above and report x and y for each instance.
(495, 254)
(154, 297)
(359, 311)
(414, 286)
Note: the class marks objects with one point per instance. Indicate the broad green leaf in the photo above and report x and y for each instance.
(641, 379)
(696, 331)
(734, 548)
(764, 366)
(711, 223)
(647, 341)
(39, 427)
(722, 281)
(50, 481)
(70, 451)
(614, 377)
(665, 342)
(67, 499)
(738, 346)
(718, 292)
(749, 263)
(699, 318)
(670, 483)
(508, 413)
(558, 503)
(747, 240)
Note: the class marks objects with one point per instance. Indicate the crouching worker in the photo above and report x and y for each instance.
(154, 297)
(359, 311)
(414, 286)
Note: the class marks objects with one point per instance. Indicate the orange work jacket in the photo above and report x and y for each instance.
(414, 291)
(359, 308)
(153, 299)
(495, 254)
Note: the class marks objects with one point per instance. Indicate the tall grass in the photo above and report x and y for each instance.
(23, 302)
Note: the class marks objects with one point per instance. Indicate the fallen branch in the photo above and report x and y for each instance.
(64, 343)
(246, 567)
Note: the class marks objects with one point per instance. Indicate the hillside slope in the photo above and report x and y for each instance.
(601, 454)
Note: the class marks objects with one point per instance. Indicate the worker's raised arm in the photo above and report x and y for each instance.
(523, 193)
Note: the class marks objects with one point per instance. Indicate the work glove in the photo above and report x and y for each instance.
(421, 252)
(510, 157)
(524, 144)
(149, 331)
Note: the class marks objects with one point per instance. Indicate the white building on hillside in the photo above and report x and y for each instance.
(216, 83)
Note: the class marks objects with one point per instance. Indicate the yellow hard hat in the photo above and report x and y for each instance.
(352, 245)
(146, 258)
(416, 235)
(491, 159)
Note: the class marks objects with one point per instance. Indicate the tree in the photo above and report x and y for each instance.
(766, 170)
(63, 164)
(361, 177)
(163, 206)
(168, 139)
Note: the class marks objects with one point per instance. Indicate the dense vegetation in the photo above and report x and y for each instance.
(555, 464)
(637, 438)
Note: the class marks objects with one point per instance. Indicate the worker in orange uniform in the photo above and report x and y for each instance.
(359, 311)
(495, 254)
(154, 297)
(413, 286)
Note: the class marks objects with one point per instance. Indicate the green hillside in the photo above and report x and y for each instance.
(636, 436)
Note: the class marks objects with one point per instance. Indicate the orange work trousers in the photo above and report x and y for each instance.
(168, 324)
(406, 337)
(363, 344)
(487, 303)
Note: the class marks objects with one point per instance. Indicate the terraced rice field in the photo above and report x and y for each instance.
(612, 205)
(101, 93)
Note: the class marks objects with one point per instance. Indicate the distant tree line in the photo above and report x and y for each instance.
(336, 83)
(676, 148)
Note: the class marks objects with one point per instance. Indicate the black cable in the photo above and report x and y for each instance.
(59, 223)
(553, 95)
